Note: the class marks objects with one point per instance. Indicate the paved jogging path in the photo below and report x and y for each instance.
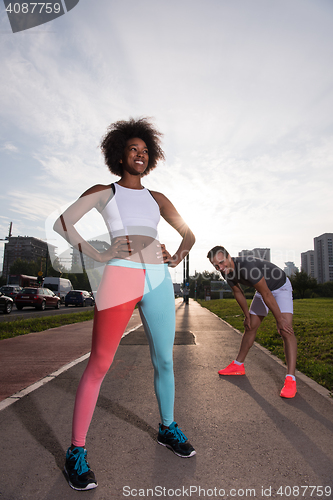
(28, 359)
(250, 443)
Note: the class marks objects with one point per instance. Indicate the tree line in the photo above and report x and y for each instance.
(79, 281)
(303, 286)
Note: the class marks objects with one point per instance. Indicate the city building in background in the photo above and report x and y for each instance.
(89, 263)
(22, 247)
(260, 253)
(307, 263)
(323, 258)
(290, 269)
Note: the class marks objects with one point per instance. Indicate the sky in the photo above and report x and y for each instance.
(241, 89)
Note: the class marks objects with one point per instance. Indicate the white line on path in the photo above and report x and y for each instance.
(18, 395)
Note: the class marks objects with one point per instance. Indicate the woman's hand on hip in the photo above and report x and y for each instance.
(120, 249)
(166, 257)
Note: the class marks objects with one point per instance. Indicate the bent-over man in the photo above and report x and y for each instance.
(273, 292)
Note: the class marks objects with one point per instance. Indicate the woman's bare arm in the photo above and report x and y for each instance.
(170, 214)
(95, 197)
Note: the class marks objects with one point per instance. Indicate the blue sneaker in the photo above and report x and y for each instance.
(173, 438)
(79, 474)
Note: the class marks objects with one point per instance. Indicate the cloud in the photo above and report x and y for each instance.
(8, 146)
(242, 92)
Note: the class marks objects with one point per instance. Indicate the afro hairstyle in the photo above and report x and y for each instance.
(114, 142)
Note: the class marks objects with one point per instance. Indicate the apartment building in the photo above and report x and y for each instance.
(89, 263)
(323, 257)
(22, 247)
(307, 263)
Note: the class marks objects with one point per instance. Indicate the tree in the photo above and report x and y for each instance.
(20, 266)
(55, 268)
(31, 268)
(302, 282)
(199, 281)
(80, 281)
(325, 289)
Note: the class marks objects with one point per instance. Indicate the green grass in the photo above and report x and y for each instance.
(313, 326)
(22, 326)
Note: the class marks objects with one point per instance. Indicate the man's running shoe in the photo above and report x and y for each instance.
(79, 474)
(289, 389)
(173, 438)
(233, 369)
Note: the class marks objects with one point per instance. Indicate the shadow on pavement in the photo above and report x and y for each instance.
(30, 415)
(294, 434)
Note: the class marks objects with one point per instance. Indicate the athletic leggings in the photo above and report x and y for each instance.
(121, 288)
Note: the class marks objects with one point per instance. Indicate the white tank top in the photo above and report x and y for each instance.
(131, 212)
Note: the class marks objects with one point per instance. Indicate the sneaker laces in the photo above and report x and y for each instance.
(81, 465)
(288, 381)
(178, 434)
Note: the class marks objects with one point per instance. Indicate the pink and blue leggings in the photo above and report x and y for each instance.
(125, 284)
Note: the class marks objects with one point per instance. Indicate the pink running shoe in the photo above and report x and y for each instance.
(289, 389)
(233, 369)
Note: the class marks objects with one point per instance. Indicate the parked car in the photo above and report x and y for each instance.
(40, 298)
(6, 303)
(10, 290)
(79, 298)
(60, 286)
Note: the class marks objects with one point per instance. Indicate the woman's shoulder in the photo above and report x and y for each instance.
(97, 189)
(100, 193)
(163, 202)
(159, 197)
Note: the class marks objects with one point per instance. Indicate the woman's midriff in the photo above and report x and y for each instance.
(145, 249)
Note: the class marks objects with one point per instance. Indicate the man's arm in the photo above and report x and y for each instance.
(271, 303)
(240, 297)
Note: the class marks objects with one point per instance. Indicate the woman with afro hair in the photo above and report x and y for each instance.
(136, 274)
